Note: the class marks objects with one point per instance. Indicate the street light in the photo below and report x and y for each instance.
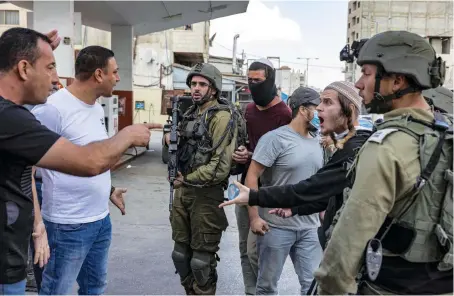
(307, 67)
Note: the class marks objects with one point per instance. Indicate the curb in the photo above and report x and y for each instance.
(120, 164)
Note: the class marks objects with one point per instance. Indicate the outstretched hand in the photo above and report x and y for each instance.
(283, 213)
(241, 199)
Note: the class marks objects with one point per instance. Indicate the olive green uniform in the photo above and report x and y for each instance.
(386, 171)
(196, 219)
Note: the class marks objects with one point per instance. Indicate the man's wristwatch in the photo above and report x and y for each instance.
(112, 189)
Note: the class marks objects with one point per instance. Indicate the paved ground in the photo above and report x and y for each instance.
(140, 261)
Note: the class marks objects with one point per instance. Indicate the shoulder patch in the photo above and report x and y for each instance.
(380, 135)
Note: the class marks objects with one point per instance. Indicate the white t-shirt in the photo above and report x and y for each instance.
(69, 199)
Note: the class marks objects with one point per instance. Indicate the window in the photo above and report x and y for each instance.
(357, 35)
(348, 40)
(9, 17)
(354, 5)
(349, 25)
(354, 20)
(359, 4)
(357, 20)
(446, 45)
(349, 10)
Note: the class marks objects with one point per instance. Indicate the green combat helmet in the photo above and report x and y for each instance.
(401, 52)
(207, 71)
(440, 98)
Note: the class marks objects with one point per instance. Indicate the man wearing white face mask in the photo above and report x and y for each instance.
(285, 156)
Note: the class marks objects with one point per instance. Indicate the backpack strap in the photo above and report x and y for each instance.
(440, 125)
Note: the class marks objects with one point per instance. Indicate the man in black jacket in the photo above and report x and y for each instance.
(338, 112)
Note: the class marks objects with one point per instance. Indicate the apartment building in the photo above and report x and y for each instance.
(430, 19)
(288, 80)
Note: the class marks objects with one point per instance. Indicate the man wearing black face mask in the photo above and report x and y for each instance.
(265, 114)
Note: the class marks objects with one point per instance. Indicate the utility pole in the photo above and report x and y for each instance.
(307, 68)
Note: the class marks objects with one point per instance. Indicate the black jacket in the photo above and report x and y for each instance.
(322, 191)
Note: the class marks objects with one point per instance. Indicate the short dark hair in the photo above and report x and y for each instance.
(90, 59)
(18, 44)
(295, 110)
(255, 66)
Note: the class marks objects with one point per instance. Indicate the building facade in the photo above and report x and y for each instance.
(287, 80)
(430, 19)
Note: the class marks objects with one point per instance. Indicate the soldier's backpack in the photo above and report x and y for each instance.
(429, 213)
(242, 136)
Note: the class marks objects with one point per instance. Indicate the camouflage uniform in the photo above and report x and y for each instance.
(391, 190)
(196, 219)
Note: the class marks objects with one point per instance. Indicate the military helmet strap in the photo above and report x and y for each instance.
(379, 102)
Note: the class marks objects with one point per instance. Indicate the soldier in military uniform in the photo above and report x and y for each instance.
(394, 235)
(207, 141)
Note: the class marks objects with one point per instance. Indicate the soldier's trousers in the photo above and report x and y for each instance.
(197, 226)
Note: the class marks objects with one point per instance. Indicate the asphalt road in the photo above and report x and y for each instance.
(140, 254)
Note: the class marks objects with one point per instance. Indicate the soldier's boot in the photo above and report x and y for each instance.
(203, 265)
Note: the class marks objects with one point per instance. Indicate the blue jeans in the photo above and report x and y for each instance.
(273, 248)
(13, 289)
(79, 252)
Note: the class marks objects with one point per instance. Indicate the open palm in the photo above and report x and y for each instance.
(241, 199)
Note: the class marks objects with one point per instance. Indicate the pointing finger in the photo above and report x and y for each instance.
(153, 125)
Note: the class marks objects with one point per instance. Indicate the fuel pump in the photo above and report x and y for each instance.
(110, 106)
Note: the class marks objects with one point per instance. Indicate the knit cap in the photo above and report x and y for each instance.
(348, 90)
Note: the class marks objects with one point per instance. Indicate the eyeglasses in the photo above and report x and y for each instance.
(201, 83)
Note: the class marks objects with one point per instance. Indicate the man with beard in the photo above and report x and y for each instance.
(338, 112)
(285, 156)
(208, 135)
(28, 70)
(75, 210)
(394, 235)
(265, 114)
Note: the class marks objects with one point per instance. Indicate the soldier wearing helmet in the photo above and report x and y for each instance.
(207, 141)
(394, 234)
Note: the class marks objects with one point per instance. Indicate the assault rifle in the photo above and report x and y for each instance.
(176, 113)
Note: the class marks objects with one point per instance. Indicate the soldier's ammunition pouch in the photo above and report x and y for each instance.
(194, 136)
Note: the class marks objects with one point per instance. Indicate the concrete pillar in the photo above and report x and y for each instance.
(122, 40)
(48, 15)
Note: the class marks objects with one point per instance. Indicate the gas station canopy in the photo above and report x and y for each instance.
(149, 16)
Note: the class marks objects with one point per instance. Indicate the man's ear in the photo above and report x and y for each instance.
(400, 82)
(23, 69)
(98, 75)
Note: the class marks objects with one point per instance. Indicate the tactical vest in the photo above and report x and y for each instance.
(421, 231)
(196, 146)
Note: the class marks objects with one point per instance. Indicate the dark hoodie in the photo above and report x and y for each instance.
(322, 191)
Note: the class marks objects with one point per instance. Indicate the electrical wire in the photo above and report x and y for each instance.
(288, 62)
